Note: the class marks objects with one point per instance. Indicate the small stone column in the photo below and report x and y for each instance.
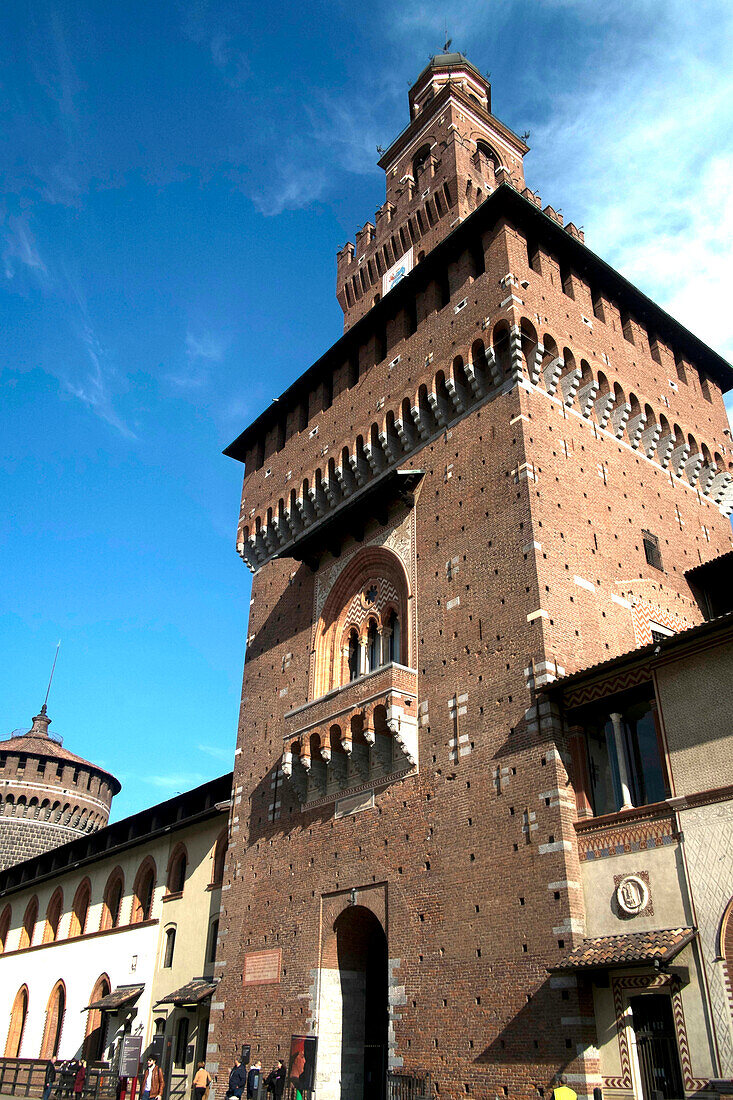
(618, 736)
(581, 779)
(363, 656)
(385, 633)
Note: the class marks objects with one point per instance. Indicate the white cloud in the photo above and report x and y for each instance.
(292, 185)
(20, 248)
(226, 756)
(92, 384)
(176, 781)
(642, 154)
(205, 346)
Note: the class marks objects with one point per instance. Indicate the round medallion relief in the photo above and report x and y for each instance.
(632, 895)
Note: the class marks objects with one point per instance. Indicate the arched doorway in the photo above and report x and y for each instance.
(359, 1013)
(96, 1022)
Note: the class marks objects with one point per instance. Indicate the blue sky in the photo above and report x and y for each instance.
(176, 180)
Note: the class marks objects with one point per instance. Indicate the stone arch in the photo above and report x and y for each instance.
(54, 1025)
(143, 891)
(80, 908)
(29, 923)
(354, 1002)
(18, 1017)
(5, 919)
(500, 337)
(219, 858)
(176, 871)
(96, 1022)
(53, 916)
(371, 568)
(112, 903)
(420, 159)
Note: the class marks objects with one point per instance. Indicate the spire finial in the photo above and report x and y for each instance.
(50, 679)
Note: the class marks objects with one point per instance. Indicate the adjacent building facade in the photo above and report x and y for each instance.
(115, 933)
(502, 473)
(650, 738)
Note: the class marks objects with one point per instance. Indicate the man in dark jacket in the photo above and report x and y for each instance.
(275, 1080)
(49, 1079)
(237, 1081)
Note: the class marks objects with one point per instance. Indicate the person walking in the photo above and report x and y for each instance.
(153, 1082)
(237, 1080)
(275, 1080)
(79, 1079)
(201, 1082)
(49, 1078)
(253, 1080)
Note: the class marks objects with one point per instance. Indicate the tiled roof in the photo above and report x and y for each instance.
(38, 742)
(120, 997)
(646, 652)
(193, 993)
(632, 948)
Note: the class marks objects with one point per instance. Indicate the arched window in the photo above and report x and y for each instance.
(29, 923)
(487, 156)
(418, 161)
(112, 903)
(142, 901)
(18, 1017)
(213, 935)
(393, 638)
(96, 1022)
(353, 654)
(170, 946)
(5, 927)
(220, 852)
(177, 870)
(53, 916)
(179, 1059)
(355, 614)
(54, 1021)
(373, 646)
(80, 908)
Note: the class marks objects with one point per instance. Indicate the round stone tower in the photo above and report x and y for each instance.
(48, 795)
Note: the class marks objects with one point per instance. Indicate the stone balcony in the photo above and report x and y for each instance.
(358, 737)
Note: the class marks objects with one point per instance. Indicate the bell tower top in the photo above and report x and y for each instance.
(449, 68)
(449, 158)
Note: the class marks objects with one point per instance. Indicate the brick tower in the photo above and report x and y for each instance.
(48, 795)
(500, 472)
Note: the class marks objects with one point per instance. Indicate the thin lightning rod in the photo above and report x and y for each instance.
(50, 679)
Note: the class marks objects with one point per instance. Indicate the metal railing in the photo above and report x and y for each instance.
(26, 1076)
(408, 1086)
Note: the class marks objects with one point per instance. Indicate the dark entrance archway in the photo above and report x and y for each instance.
(361, 947)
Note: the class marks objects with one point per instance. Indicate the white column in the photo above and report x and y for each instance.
(363, 654)
(618, 736)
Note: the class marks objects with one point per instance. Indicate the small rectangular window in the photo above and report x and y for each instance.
(652, 553)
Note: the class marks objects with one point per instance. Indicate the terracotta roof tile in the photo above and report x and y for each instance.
(118, 998)
(190, 994)
(632, 948)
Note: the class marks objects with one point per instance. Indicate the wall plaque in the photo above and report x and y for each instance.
(262, 967)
